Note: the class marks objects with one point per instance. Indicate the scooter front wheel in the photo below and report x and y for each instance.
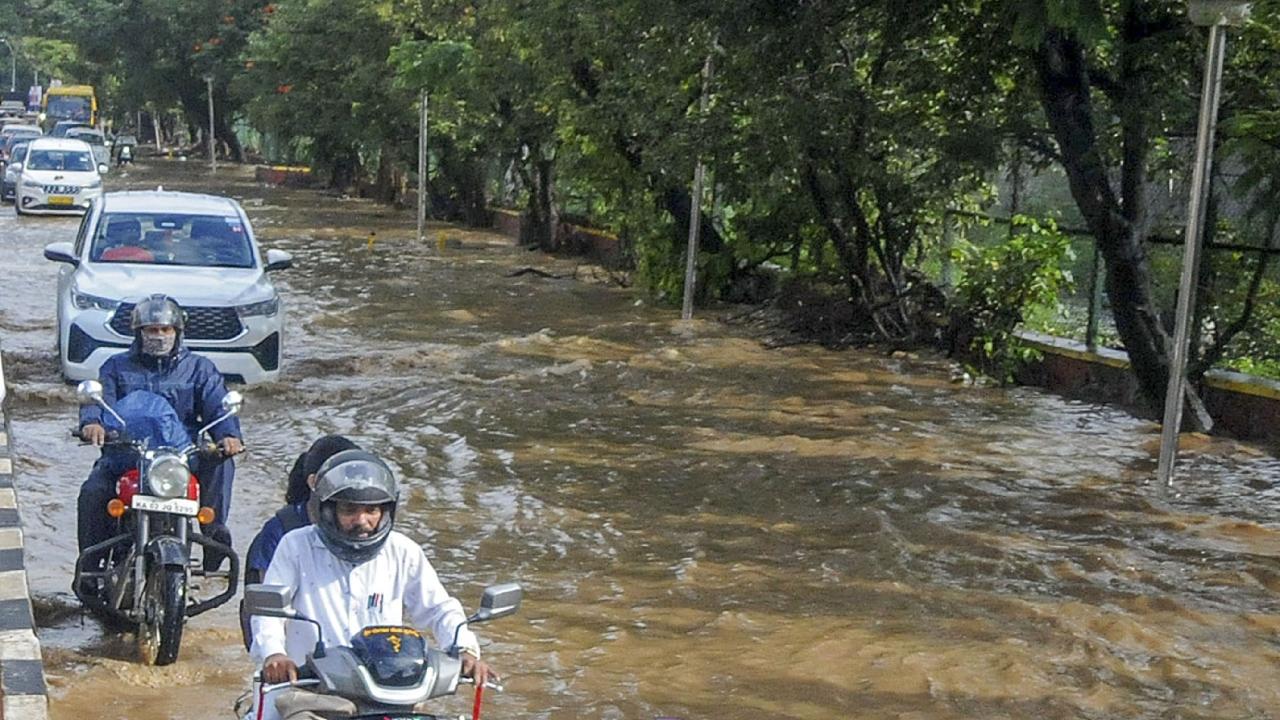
(164, 608)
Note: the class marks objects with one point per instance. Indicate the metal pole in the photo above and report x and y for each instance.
(213, 155)
(1173, 399)
(422, 168)
(1095, 300)
(695, 214)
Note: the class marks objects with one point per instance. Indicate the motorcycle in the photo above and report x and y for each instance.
(386, 673)
(125, 156)
(143, 575)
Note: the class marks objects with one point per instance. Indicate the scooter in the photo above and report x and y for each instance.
(142, 575)
(357, 681)
(125, 156)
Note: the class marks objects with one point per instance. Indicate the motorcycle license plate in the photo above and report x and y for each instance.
(61, 199)
(177, 506)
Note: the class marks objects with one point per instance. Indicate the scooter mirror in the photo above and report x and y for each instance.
(89, 392)
(269, 601)
(498, 601)
(232, 401)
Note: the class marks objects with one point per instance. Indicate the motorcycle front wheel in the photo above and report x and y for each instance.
(164, 607)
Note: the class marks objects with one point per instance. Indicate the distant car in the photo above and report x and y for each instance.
(17, 154)
(62, 127)
(199, 250)
(57, 177)
(20, 133)
(96, 141)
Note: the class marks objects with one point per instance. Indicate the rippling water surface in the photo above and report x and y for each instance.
(704, 528)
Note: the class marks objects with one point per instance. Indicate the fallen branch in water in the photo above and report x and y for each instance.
(535, 271)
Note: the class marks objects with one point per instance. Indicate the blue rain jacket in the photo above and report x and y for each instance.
(190, 384)
(151, 418)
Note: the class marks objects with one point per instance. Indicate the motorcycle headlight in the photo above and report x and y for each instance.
(85, 301)
(168, 476)
(265, 308)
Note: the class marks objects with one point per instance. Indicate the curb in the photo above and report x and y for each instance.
(23, 693)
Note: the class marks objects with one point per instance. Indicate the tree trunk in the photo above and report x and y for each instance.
(1065, 96)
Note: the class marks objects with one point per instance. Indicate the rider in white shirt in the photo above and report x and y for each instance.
(350, 570)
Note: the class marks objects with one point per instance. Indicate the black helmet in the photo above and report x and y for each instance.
(359, 477)
(158, 310)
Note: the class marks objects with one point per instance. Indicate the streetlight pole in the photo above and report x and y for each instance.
(1217, 15)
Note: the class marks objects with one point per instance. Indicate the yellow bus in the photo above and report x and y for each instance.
(70, 102)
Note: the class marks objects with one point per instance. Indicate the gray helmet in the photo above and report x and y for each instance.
(359, 477)
(158, 310)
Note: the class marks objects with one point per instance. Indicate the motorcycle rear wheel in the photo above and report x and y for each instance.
(164, 606)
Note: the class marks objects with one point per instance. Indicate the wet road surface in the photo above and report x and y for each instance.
(704, 528)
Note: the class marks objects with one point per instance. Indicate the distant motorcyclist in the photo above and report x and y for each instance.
(158, 361)
(350, 570)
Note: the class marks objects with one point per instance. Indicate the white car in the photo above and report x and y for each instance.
(58, 177)
(197, 249)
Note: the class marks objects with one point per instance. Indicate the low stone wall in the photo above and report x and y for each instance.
(1244, 406)
(282, 175)
(22, 686)
(597, 245)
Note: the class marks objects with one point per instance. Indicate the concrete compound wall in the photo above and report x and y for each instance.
(596, 245)
(1245, 407)
(23, 694)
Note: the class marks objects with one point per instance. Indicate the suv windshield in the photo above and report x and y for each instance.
(168, 239)
(72, 160)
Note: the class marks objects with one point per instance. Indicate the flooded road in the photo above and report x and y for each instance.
(704, 528)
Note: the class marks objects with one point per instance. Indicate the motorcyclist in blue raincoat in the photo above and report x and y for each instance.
(159, 362)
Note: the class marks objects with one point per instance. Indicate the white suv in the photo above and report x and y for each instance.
(197, 249)
(58, 177)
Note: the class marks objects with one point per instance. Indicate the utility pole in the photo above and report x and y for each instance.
(695, 214)
(422, 168)
(213, 155)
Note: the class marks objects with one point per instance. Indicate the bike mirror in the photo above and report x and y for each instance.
(269, 601)
(232, 401)
(89, 392)
(498, 601)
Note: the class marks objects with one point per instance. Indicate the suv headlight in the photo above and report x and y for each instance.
(265, 308)
(31, 183)
(85, 301)
(93, 184)
(168, 476)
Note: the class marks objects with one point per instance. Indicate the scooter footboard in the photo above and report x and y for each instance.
(233, 575)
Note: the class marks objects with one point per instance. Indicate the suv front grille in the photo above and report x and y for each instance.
(203, 323)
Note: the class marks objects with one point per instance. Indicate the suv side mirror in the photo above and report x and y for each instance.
(278, 260)
(61, 252)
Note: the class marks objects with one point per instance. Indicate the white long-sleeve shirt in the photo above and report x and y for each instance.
(397, 587)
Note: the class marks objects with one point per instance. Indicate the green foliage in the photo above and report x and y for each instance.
(1000, 284)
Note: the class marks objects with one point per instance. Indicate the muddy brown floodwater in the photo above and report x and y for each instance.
(705, 528)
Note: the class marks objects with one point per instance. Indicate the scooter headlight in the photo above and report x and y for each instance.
(168, 476)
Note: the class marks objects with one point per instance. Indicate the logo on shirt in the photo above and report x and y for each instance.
(375, 602)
